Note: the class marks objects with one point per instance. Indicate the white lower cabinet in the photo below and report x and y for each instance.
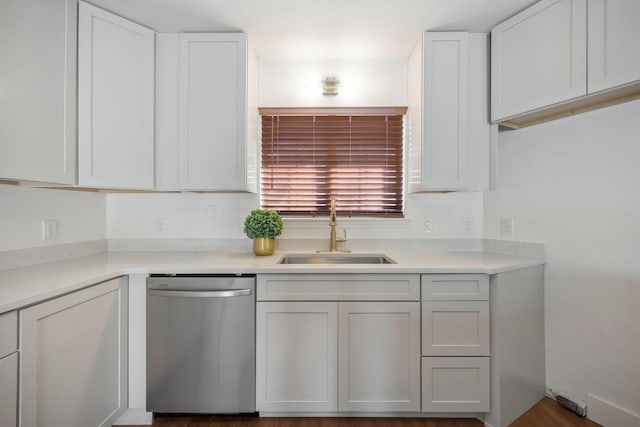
(74, 358)
(297, 356)
(337, 356)
(455, 343)
(455, 384)
(9, 369)
(378, 356)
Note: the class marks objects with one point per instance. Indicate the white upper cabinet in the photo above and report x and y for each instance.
(38, 90)
(562, 57)
(539, 57)
(447, 116)
(115, 101)
(614, 43)
(213, 112)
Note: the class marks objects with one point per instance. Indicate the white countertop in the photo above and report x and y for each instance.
(25, 286)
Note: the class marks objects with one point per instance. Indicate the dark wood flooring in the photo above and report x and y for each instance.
(547, 413)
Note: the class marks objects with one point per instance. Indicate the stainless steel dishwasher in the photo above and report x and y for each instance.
(201, 344)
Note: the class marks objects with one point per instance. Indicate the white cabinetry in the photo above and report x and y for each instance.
(115, 101)
(328, 356)
(538, 57)
(9, 369)
(562, 57)
(379, 354)
(74, 358)
(38, 75)
(207, 114)
(448, 130)
(613, 43)
(297, 364)
(455, 325)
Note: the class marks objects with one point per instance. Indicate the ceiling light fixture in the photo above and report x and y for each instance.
(330, 85)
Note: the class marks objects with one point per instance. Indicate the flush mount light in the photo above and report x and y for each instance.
(330, 85)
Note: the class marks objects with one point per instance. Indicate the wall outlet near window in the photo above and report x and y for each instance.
(159, 226)
(467, 225)
(49, 229)
(506, 227)
(428, 226)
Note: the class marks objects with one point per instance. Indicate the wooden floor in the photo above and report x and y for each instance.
(547, 413)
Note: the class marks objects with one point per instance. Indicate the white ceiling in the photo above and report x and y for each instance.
(312, 29)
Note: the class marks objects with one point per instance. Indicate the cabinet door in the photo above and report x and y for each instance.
(379, 356)
(38, 75)
(296, 352)
(9, 390)
(614, 43)
(446, 86)
(213, 102)
(115, 100)
(455, 384)
(74, 358)
(538, 58)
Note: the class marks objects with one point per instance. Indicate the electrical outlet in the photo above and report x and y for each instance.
(158, 226)
(428, 226)
(467, 225)
(49, 229)
(506, 227)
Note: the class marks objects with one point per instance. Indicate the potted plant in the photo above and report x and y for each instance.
(263, 226)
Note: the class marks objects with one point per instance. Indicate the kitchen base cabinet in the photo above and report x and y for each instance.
(9, 390)
(9, 369)
(74, 358)
(342, 352)
(296, 356)
(378, 356)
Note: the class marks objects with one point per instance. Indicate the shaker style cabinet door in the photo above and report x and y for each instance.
(538, 58)
(614, 43)
(213, 110)
(38, 90)
(73, 367)
(446, 87)
(296, 356)
(115, 101)
(379, 356)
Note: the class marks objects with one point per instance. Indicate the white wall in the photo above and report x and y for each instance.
(363, 83)
(296, 83)
(81, 216)
(574, 185)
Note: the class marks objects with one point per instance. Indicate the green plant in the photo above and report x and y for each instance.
(262, 223)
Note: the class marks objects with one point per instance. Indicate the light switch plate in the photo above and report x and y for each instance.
(506, 227)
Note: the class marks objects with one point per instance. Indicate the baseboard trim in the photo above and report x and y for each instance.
(610, 414)
(135, 416)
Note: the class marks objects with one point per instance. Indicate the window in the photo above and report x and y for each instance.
(356, 155)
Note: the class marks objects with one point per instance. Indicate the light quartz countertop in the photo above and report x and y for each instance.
(29, 285)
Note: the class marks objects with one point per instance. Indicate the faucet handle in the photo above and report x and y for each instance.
(344, 236)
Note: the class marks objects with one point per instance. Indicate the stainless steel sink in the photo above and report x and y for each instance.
(337, 258)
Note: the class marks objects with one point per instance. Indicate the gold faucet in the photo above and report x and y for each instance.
(333, 241)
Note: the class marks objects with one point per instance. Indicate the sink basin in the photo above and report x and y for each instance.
(336, 258)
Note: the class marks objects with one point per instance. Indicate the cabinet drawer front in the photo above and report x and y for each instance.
(451, 287)
(455, 384)
(455, 328)
(8, 333)
(338, 287)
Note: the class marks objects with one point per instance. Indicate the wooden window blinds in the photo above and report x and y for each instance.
(356, 155)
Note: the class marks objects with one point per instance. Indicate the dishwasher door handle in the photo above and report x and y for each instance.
(200, 294)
